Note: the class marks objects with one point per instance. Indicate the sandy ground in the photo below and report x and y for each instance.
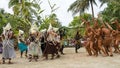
(69, 60)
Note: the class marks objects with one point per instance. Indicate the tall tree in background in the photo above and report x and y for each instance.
(51, 19)
(112, 11)
(27, 9)
(79, 6)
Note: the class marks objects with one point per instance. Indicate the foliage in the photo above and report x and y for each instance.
(27, 9)
(50, 19)
(75, 24)
(15, 21)
(77, 20)
(79, 6)
(112, 11)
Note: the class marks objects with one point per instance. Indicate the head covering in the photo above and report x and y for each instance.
(43, 30)
(55, 29)
(4, 30)
(33, 28)
(21, 32)
(7, 27)
(50, 28)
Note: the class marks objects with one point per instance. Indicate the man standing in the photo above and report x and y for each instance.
(77, 41)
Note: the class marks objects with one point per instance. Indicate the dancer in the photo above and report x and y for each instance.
(21, 43)
(34, 47)
(8, 44)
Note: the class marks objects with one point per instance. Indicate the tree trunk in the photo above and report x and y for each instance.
(92, 9)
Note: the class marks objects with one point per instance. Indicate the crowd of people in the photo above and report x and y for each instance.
(99, 39)
(38, 44)
(102, 38)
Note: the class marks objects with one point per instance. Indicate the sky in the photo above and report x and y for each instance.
(64, 17)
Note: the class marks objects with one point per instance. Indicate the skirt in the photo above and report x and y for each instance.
(22, 46)
(8, 49)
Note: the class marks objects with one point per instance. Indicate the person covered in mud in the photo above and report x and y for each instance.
(107, 39)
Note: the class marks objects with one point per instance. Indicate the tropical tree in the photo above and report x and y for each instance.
(79, 6)
(27, 9)
(112, 11)
(15, 21)
(2, 19)
(75, 24)
(105, 1)
(51, 19)
(77, 20)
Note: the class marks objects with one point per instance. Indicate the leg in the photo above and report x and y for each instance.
(26, 53)
(21, 53)
(110, 49)
(91, 47)
(57, 54)
(30, 58)
(76, 49)
(106, 50)
(9, 61)
(117, 46)
(115, 51)
(101, 48)
(52, 56)
(62, 50)
(42, 48)
(46, 56)
(36, 57)
(88, 49)
(3, 60)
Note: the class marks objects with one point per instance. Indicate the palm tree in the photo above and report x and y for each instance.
(25, 8)
(106, 1)
(79, 6)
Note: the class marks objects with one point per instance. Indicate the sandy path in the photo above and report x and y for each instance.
(70, 60)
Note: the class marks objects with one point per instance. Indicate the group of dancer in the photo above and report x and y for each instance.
(102, 38)
(38, 44)
(99, 39)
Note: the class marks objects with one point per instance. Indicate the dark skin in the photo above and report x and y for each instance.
(116, 36)
(91, 41)
(10, 36)
(77, 37)
(99, 40)
(87, 34)
(116, 39)
(107, 40)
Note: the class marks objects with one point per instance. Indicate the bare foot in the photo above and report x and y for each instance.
(10, 62)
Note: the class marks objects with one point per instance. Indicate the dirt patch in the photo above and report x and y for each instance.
(69, 60)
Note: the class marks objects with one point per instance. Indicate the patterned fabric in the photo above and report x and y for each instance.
(1, 47)
(34, 49)
(8, 49)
